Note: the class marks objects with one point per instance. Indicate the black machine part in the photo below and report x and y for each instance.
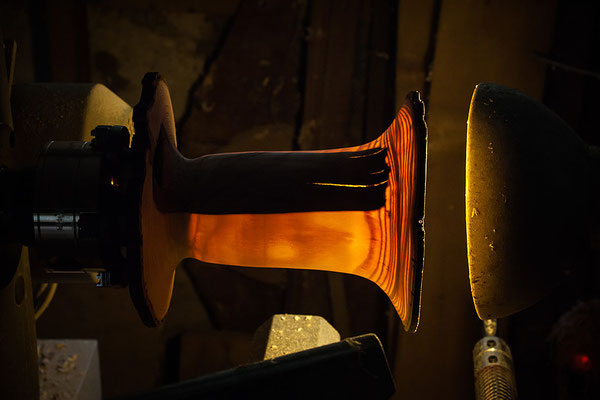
(354, 368)
(76, 208)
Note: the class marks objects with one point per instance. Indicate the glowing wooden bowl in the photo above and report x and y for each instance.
(357, 210)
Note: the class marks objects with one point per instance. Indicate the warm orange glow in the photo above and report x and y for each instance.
(384, 245)
(348, 185)
(377, 245)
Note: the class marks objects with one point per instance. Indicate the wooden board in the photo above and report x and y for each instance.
(476, 42)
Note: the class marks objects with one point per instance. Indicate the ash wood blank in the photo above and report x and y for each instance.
(356, 210)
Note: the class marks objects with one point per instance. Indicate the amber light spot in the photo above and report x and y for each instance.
(378, 244)
(348, 184)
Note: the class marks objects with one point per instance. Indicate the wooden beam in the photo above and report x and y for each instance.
(476, 42)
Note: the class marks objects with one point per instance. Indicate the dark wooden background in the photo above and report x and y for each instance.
(307, 74)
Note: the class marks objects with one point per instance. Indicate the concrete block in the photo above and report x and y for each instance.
(69, 369)
(287, 333)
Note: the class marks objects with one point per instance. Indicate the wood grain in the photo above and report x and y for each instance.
(380, 242)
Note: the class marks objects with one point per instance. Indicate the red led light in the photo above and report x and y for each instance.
(582, 363)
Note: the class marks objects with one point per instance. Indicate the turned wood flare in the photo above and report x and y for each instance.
(356, 210)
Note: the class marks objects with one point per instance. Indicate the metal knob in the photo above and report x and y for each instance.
(494, 371)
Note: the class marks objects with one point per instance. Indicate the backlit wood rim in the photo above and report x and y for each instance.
(383, 243)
